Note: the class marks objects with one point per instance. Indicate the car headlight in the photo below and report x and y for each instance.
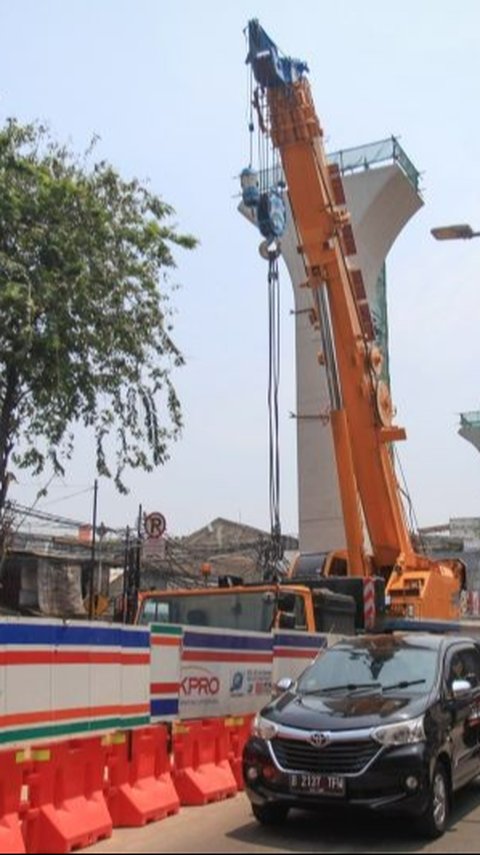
(402, 733)
(263, 728)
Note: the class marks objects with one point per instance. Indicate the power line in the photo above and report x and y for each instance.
(17, 508)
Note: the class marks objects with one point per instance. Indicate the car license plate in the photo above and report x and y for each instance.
(328, 785)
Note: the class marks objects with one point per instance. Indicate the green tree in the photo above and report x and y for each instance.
(85, 310)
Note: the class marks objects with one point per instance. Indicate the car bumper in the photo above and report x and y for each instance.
(381, 787)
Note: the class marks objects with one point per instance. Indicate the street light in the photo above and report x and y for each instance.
(457, 232)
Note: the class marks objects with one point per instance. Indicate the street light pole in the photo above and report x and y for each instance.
(457, 232)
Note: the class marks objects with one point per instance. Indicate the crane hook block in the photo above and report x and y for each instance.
(270, 249)
(271, 214)
(250, 187)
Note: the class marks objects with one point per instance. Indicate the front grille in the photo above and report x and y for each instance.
(341, 758)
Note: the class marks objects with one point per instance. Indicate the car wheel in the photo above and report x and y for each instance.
(270, 814)
(434, 820)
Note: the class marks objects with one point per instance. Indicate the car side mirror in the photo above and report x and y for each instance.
(282, 686)
(460, 688)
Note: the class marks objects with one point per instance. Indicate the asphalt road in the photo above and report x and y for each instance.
(229, 826)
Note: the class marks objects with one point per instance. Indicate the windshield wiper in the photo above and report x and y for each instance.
(403, 684)
(346, 687)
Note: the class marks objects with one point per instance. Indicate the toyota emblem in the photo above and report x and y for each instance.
(319, 740)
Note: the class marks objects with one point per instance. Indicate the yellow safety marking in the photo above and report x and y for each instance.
(19, 756)
(42, 755)
(234, 722)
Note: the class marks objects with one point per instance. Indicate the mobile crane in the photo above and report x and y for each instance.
(361, 411)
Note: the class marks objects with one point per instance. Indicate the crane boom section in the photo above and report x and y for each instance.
(296, 131)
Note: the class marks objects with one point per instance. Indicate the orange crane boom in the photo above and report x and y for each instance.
(361, 410)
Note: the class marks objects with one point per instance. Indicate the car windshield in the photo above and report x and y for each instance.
(380, 664)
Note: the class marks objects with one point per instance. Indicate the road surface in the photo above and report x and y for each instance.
(229, 826)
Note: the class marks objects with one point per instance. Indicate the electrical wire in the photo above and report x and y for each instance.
(70, 496)
(66, 522)
(411, 509)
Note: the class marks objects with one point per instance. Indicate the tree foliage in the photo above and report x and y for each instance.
(85, 310)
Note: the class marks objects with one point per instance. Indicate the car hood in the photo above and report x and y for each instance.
(345, 711)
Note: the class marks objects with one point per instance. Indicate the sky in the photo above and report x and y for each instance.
(164, 85)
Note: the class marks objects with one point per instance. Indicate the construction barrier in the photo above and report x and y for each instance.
(67, 807)
(60, 680)
(85, 718)
(165, 668)
(201, 768)
(224, 672)
(139, 787)
(75, 792)
(293, 651)
(238, 730)
(12, 768)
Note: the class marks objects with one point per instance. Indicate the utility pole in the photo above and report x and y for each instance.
(92, 558)
(133, 553)
(126, 571)
(138, 556)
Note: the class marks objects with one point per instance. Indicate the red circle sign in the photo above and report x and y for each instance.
(155, 524)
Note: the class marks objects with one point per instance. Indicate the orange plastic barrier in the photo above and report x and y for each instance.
(140, 787)
(12, 769)
(202, 771)
(238, 730)
(67, 805)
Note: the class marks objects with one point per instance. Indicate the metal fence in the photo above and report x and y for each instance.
(355, 160)
(471, 419)
(364, 156)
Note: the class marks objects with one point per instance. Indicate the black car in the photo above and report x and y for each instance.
(385, 722)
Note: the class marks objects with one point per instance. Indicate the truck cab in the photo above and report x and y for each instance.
(259, 608)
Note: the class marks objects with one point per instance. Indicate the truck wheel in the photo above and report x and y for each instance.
(434, 820)
(270, 814)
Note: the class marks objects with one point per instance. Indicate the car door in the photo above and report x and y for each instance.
(463, 663)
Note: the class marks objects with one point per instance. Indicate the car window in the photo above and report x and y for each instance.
(465, 665)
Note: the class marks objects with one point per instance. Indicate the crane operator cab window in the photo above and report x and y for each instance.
(258, 611)
(291, 612)
(154, 611)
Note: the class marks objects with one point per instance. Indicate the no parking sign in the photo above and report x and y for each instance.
(155, 525)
